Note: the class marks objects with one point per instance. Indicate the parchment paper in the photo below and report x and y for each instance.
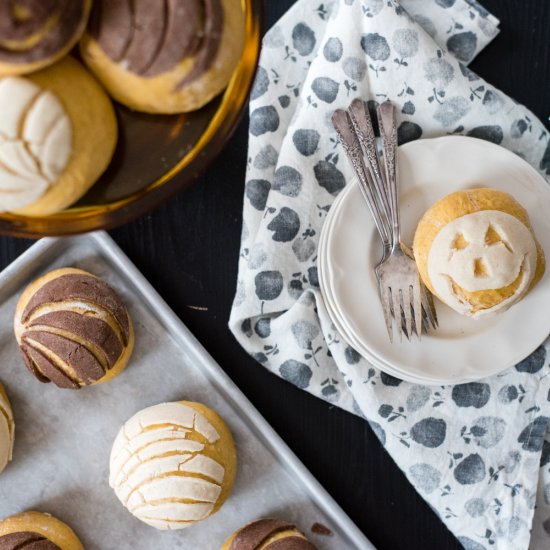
(63, 438)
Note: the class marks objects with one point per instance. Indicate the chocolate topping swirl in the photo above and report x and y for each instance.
(254, 535)
(92, 329)
(84, 288)
(290, 543)
(26, 540)
(69, 346)
(32, 30)
(150, 38)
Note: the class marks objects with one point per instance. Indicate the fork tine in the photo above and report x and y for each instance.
(417, 307)
(429, 308)
(433, 311)
(406, 304)
(385, 300)
(397, 313)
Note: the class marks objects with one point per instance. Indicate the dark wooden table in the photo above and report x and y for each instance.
(188, 249)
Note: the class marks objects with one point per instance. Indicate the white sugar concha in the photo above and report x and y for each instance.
(7, 429)
(173, 464)
(35, 141)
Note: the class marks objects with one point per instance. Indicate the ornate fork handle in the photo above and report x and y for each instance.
(362, 124)
(345, 130)
(388, 132)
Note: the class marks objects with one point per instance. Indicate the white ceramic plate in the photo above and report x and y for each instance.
(461, 349)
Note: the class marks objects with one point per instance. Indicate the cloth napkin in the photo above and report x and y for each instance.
(479, 453)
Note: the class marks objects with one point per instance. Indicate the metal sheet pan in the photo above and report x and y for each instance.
(63, 438)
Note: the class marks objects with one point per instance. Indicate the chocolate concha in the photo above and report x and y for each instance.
(36, 33)
(164, 57)
(73, 329)
(37, 531)
(26, 539)
(173, 464)
(268, 534)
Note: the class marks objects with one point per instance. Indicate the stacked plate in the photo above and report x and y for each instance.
(461, 349)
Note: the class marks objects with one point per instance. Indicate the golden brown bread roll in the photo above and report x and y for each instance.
(164, 57)
(477, 252)
(173, 464)
(37, 530)
(36, 33)
(57, 135)
(268, 534)
(73, 329)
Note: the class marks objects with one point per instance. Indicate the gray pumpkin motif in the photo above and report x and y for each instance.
(532, 437)
(493, 134)
(429, 432)
(304, 333)
(375, 46)
(355, 68)
(263, 327)
(475, 507)
(263, 120)
(297, 373)
(471, 470)
(405, 42)
(439, 72)
(333, 49)
(261, 84)
(266, 157)
(534, 362)
(487, 431)
(269, 285)
(418, 397)
(287, 181)
(463, 45)
(303, 39)
(306, 141)
(285, 225)
(473, 394)
(257, 256)
(303, 248)
(425, 477)
(256, 192)
(408, 131)
(325, 88)
(352, 356)
(313, 276)
(452, 110)
(329, 177)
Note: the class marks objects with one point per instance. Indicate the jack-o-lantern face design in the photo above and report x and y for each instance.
(484, 251)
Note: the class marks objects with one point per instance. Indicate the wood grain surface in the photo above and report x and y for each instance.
(188, 249)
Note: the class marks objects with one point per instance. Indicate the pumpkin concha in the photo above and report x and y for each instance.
(477, 252)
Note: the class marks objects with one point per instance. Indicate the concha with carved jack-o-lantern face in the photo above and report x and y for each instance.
(477, 252)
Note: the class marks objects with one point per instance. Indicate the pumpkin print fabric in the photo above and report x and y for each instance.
(478, 452)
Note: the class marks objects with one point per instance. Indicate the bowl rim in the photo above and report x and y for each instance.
(210, 144)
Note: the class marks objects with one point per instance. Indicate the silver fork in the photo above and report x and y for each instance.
(404, 296)
(355, 130)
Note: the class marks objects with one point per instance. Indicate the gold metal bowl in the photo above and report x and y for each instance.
(151, 151)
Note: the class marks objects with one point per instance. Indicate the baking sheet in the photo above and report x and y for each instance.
(63, 438)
